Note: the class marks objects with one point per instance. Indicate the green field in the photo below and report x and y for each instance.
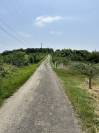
(14, 79)
(81, 100)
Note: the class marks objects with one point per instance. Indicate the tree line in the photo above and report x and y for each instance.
(78, 55)
(22, 57)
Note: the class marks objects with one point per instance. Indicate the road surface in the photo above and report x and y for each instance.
(39, 106)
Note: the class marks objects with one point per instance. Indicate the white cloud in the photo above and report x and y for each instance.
(58, 33)
(41, 21)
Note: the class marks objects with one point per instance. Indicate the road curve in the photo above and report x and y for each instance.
(39, 106)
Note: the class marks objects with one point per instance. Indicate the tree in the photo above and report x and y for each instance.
(89, 70)
(17, 58)
(94, 57)
(20, 59)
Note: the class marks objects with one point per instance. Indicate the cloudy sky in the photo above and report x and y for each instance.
(56, 23)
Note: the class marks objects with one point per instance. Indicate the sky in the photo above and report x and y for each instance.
(56, 24)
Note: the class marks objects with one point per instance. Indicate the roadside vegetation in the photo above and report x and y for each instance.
(16, 67)
(14, 79)
(79, 73)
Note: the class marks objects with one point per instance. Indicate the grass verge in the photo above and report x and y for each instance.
(12, 81)
(80, 98)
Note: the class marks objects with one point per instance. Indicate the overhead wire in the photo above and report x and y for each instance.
(10, 31)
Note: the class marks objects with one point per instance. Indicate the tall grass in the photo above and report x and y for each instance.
(79, 97)
(12, 81)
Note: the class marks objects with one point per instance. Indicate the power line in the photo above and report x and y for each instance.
(6, 28)
(9, 34)
(11, 29)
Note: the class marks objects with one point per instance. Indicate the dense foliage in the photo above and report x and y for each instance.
(21, 58)
(78, 55)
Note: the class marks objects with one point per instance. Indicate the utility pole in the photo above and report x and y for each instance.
(41, 45)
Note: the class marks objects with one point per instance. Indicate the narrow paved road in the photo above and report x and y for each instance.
(40, 106)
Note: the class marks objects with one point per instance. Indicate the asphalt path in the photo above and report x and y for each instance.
(39, 106)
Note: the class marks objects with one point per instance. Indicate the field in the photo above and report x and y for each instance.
(82, 99)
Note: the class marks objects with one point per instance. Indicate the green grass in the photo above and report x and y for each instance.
(80, 98)
(14, 79)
